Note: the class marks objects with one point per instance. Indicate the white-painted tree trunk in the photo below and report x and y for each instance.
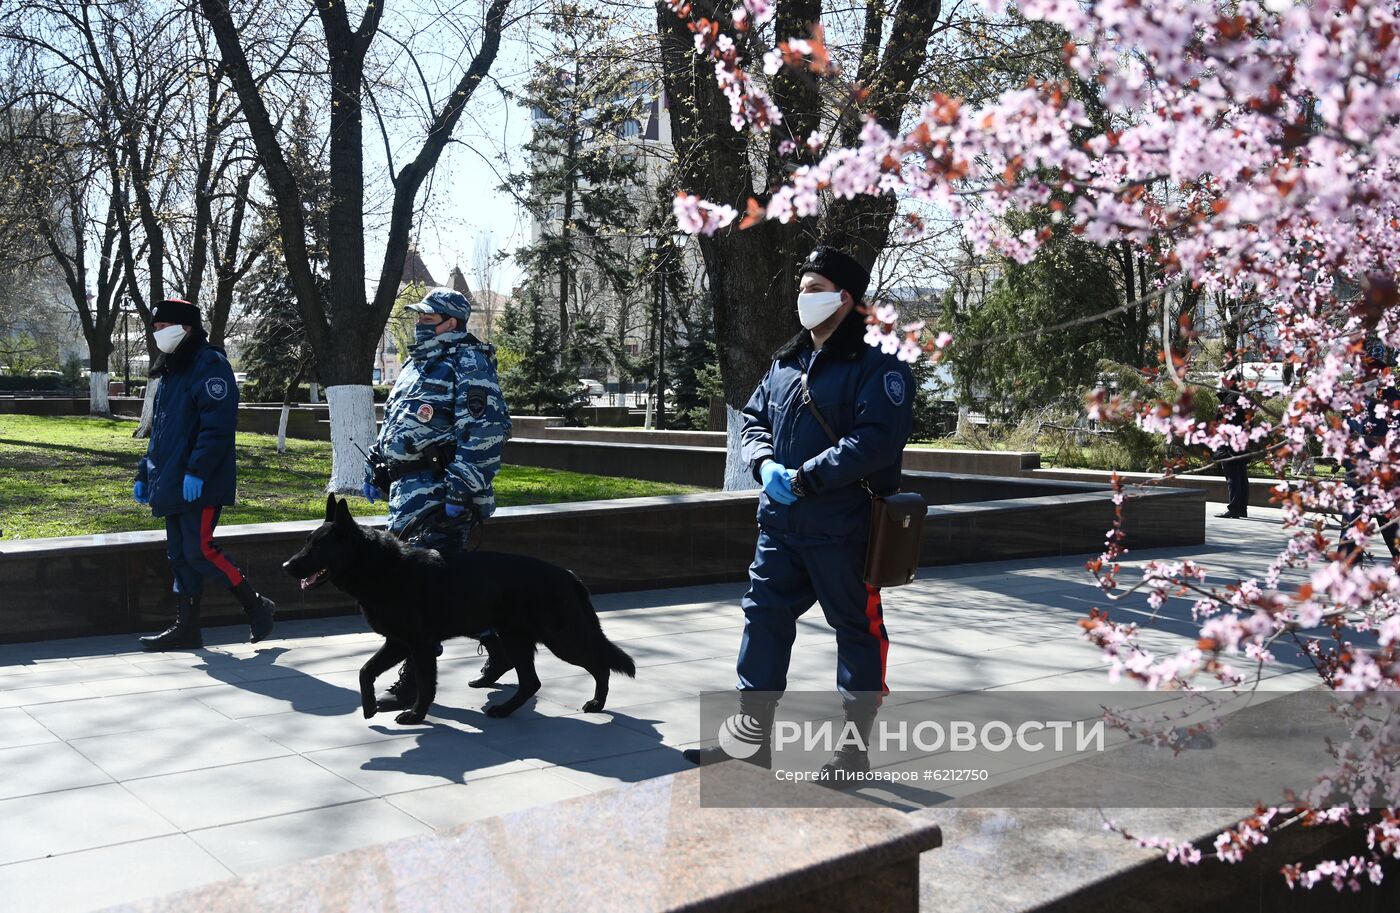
(314, 392)
(962, 421)
(352, 434)
(737, 476)
(98, 403)
(646, 422)
(282, 427)
(148, 409)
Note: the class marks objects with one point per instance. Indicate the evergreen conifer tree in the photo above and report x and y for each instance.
(583, 176)
(532, 376)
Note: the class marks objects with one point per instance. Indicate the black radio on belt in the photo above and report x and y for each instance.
(379, 468)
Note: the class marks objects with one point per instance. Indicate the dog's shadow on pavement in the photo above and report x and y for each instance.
(259, 674)
(565, 741)
(441, 749)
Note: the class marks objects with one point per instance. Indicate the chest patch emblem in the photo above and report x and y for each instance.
(425, 413)
(894, 387)
(216, 387)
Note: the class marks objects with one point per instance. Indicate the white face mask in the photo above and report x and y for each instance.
(169, 339)
(813, 308)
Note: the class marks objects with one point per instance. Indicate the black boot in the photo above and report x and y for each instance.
(259, 610)
(851, 762)
(496, 662)
(758, 730)
(402, 693)
(183, 634)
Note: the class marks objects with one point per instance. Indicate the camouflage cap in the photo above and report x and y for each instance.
(445, 301)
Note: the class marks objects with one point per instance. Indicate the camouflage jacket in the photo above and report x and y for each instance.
(447, 393)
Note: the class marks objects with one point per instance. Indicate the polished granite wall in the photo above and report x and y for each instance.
(120, 583)
(703, 466)
(699, 466)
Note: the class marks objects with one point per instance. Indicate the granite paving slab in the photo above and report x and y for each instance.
(266, 843)
(444, 807)
(156, 752)
(68, 820)
(240, 792)
(89, 879)
(46, 768)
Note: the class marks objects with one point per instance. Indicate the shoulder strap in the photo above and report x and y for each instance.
(816, 413)
(826, 426)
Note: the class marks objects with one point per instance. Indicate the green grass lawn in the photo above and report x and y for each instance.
(72, 477)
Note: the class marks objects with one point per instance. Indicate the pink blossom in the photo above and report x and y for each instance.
(696, 216)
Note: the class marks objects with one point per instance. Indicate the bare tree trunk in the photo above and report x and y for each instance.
(282, 425)
(737, 474)
(352, 431)
(98, 403)
(148, 410)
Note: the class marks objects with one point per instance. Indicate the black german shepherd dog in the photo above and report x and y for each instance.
(416, 599)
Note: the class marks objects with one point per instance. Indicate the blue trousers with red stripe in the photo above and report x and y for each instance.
(786, 578)
(189, 544)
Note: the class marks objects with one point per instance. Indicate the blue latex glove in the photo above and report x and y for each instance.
(776, 483)
(139, 492)
(371, 493)
(193, 487)
(454, 510)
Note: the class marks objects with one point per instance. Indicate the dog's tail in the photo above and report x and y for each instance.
(617, 658)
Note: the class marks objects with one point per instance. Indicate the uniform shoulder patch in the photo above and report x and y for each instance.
(477, 398)
(216, 387)
(425, 413)
(894, 387)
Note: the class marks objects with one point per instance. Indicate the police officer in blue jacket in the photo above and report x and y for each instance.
(814, 511)
(188, 474)
(439, 449)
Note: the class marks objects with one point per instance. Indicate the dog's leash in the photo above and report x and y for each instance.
(436, 517)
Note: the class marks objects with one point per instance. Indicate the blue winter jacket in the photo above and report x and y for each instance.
(865, 396)
(196, 414)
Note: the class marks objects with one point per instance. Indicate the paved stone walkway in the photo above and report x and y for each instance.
(124, 774)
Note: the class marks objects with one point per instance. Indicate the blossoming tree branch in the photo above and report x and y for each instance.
(1256, 149)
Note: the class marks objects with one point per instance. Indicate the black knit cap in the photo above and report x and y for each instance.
(176, 310)
(840, 268)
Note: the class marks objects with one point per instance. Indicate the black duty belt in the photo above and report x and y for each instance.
(399, 469)
(434, 458)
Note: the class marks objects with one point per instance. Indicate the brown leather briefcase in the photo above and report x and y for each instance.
(896, 530)
(896, 522)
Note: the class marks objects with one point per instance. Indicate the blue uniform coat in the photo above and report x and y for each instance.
(196, 415)
(867, 398)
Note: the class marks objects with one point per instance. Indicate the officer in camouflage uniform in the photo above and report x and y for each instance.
(439, 448)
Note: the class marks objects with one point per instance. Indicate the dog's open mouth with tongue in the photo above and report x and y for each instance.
(315, 580)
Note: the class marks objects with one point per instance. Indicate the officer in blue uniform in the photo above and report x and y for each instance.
(439, 449)
(188, 474)
(814, 511)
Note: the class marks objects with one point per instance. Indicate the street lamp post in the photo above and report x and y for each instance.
(667, 246)
(126, 351)
(661, 342)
